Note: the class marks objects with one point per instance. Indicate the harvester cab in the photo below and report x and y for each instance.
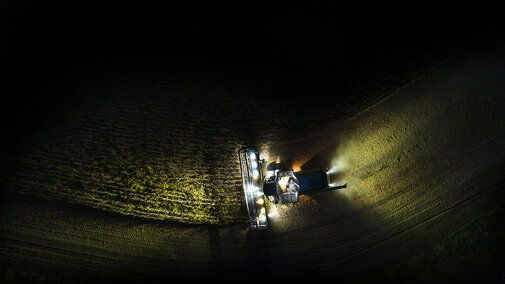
(278, 185)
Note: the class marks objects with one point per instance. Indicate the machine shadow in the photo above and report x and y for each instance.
(321, 160)
(325, 156)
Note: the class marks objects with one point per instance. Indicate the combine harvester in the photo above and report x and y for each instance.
(277, 185)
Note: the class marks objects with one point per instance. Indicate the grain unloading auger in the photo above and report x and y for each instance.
(278, 185)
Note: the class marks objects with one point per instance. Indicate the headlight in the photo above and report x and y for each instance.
(263, 218)
(255, 173)
(252, 156)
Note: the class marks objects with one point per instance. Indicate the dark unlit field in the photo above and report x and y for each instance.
(421, 162)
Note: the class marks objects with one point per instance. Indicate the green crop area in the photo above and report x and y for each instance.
(173, 187)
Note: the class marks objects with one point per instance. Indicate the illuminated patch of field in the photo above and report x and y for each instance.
(418, 141)
(169, 190)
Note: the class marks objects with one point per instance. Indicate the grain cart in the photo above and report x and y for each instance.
(278, 185)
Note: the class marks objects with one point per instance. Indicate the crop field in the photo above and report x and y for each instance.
(148, 143)
(133, 174)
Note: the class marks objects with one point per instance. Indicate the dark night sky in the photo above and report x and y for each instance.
(218, 33)
(44, 41)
